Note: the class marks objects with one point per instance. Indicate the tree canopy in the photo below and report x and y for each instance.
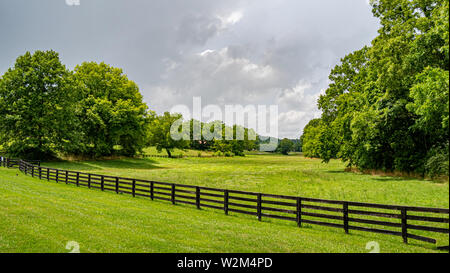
(48, 110)
(111, 111)
(161, 135)
(387, 104)
(36, 107)
(285, 146)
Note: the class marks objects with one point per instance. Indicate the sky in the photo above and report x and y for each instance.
(228, 52)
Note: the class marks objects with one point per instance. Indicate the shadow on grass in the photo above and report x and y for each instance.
(385, 177)
(128, 163)
(394, 178)
(335, 171)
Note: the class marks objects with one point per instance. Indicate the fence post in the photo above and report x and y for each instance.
(197, 197)
(32, 171)
(152, 195)
(78, 179)
(133, 188)
(117, 185)
(57, 176)
(346, 217)
(102, 185)
(89, 180)
(67, 177)
(48, 174)
(299, 212)
(259, 206)
(173, 194)
(7, 162)
(225, 201)
(404, 226)
(40, 172)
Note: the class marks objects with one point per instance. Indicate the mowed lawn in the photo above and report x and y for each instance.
(41, 216)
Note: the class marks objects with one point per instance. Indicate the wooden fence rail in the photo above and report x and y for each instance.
(404, 221)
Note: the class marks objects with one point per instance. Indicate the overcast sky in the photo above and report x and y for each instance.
(226, 51)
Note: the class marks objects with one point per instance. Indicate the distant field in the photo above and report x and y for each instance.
(40, 216)
(290, 175)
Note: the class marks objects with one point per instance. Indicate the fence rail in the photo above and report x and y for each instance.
(14, 163)
(407, 222)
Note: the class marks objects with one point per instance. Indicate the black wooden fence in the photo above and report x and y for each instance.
(408, 222)
(14, 163)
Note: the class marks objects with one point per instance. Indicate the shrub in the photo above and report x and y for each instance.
(437, 163)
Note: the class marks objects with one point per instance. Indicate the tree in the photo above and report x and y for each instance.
(36, 106)
(235, 140)
(285, 146)
(197, 140)
(430, 103)
(111, 111)
(387, 105)
(311, 138)
(160, 133)
(297, 145)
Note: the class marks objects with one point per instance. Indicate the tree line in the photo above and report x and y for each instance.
(387, 106)
(94, 111)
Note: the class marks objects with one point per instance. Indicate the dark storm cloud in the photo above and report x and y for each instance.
(233, 51)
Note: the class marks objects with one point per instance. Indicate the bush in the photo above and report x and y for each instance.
(438, 161)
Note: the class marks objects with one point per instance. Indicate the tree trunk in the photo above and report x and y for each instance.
(169, 153)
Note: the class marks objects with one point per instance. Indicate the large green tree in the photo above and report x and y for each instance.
(387, 104)
(111, 111)
(36, 107)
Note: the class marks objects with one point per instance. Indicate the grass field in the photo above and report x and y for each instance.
(39, 216)
(290, 175)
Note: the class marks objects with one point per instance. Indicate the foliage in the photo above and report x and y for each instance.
(36, 106)
(387, 105)
(297, 147)
(94, 111)
(285, 146)
(160, 134)
(197, 139)
(111, 112)
(311, 138)
(438, 161)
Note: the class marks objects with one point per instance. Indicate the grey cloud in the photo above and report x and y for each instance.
(258, 52)
(197, 29)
